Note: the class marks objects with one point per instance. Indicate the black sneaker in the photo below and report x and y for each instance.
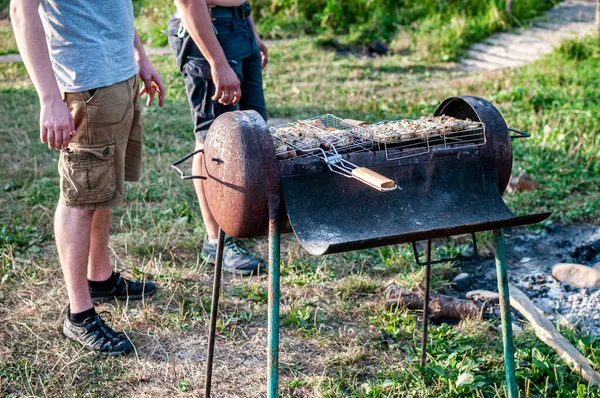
(96, 336)
(123, 289)
(236, 259)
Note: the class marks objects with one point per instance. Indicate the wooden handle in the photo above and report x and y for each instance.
(374, 179)
(356, 122)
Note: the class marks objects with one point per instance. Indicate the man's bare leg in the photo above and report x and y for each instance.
(72, 231)
(99, 266)
(73, 228)
(212, 228)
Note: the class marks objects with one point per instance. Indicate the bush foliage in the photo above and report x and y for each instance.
(437, 29)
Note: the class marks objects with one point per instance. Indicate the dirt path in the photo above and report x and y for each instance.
(570, 18)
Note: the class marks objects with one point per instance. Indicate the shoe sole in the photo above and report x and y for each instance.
(103, 353)
(98, 300)
(235, 271)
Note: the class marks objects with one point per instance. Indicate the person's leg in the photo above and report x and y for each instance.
(210, 223)
(200, 88)
(105, 284)
(197, 77)
(72, 230)
(99, 266)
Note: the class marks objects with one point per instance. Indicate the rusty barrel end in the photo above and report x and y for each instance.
(498, 145)
(242, 171)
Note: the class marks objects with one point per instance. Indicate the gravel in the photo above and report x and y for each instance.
(580, 307)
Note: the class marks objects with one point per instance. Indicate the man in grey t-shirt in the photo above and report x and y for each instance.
(85, 60)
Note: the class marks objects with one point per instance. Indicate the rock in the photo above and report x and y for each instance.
(555, 293)
(490, 274)
(517, 330)
(568, 322)
(597, 266)
(575, 298)
(587, 251)
(522, 183)
(577, 275)
(462, 281)
(484, 295)
(546, 305)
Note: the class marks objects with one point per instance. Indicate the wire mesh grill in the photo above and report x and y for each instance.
(328, 135)
(407, 144)
(318, 136)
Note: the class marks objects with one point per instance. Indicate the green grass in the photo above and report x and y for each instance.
(337, 337)
(7, 40)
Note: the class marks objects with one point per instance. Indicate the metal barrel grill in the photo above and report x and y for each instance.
(353, 191)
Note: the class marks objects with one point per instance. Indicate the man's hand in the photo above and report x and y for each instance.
(56, 124)
(152, 82)
(227, 85)
(264, 51)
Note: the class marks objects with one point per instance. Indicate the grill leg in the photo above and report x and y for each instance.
(507, 334)
(214, 307)
(274, 295)
(426, 306)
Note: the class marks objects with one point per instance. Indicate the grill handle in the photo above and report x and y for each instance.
(373, 179)
(520, 134)
(444, 260)
(182, 160)
(339, 165)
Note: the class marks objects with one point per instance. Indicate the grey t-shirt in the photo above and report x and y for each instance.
(90, 42)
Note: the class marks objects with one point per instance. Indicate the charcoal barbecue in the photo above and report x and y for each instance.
(352, 192)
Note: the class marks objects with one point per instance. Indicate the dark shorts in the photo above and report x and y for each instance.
(239, 45)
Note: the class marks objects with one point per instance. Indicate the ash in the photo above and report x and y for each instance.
(564, 304)
(531, 257)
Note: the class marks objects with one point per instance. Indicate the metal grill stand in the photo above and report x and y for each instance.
(505, 314)
(449, 191)
(274, 297)
(214, 308)
(507, 333)
(274, 300)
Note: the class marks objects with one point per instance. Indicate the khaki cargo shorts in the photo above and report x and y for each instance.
(107, 149)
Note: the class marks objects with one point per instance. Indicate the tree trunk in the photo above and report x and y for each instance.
(509, 6)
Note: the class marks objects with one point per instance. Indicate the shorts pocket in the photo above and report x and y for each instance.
(200, 87)
(87, 174)
(224, 28)
(109, 105)
(198, 67)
